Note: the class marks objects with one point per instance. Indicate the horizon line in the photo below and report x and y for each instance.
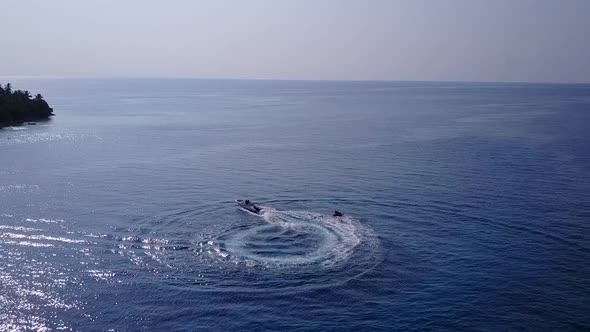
(25, 77)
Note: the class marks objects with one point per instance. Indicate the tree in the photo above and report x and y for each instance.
(16, 106)
(5, 117)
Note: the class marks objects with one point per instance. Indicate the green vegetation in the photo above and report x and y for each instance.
(18, 106)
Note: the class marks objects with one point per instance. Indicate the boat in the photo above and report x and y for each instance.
(246, 204)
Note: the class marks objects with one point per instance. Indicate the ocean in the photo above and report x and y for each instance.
(466, 207)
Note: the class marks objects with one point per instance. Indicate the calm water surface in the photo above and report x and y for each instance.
(467, 207)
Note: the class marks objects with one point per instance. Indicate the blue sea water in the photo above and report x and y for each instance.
(467, 207)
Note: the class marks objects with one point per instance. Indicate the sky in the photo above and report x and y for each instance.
(424, 40)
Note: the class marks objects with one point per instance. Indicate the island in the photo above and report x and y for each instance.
(18, 106)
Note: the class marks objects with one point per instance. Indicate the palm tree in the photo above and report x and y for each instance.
(17, 106)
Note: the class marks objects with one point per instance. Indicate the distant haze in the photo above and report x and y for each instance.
(472, 40)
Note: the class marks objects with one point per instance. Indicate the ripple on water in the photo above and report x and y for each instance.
(294, 243)
(22, 135)
(31, 285)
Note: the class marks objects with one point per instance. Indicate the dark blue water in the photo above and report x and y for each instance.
(466, 205)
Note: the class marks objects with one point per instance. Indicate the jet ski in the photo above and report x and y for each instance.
(248, 206)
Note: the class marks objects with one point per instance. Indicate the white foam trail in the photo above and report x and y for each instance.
(290, 238)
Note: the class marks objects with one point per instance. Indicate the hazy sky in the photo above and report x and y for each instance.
(476, 40)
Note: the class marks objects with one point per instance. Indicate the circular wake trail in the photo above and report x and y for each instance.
(292, 238)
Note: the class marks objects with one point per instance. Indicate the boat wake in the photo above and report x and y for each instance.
(292, 238)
